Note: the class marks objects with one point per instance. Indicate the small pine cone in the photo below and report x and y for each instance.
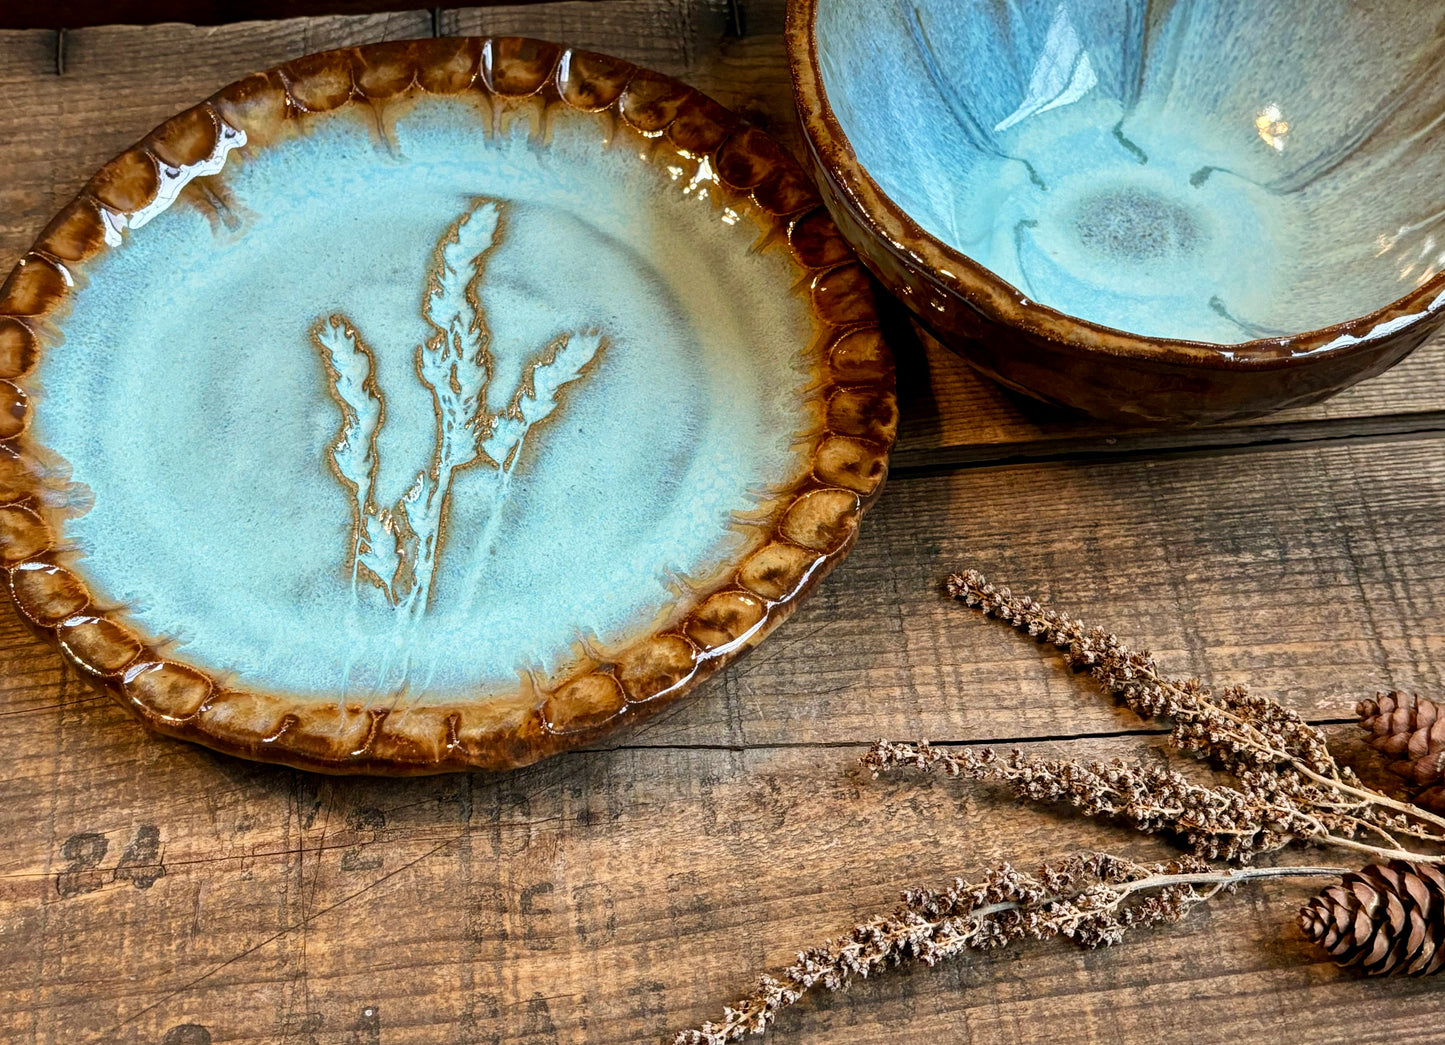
(1432, 798)
(1403, 725)
(1410, 729)
(1423, 772)
(1388, 919)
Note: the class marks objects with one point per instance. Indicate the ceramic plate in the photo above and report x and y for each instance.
(433, 405)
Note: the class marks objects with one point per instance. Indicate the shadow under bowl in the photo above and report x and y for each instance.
(1185, 212)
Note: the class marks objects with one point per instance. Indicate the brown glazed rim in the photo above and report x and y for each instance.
(815, 522)
(1001, 301)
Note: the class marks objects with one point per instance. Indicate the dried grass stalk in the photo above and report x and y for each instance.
(1092, 900)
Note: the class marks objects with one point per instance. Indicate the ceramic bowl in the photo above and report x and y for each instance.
(1187, 211)
(431, 406)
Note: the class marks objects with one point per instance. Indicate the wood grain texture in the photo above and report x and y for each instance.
(75, 14)
(1315, 573)
(633, 890)
(606, 897)
(997, 424)
(668, 36)
(155, 894)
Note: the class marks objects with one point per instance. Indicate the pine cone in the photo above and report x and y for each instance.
(1388, 919)
(1410, 729)
(1432, 798)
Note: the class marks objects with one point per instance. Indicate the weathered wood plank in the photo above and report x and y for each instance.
(1315, 573)
(73, 14)
(946, 405)
(603, 897)
(669, 36)
(840, 631)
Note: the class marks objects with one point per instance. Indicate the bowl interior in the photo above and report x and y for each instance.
(1214, 171)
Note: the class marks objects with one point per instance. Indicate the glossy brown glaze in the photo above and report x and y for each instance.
(811, 528)
(1069, 362)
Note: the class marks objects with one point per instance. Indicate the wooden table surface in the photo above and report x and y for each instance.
(152, 892)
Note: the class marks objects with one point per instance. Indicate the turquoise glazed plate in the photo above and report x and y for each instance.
(433, 405)
(1234, 204)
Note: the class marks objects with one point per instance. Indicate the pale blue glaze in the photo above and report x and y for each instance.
(188, 396)
(1218, 170)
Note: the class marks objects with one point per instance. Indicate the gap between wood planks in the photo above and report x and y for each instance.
(96, 14)
(1055, 738)
(1191, 442)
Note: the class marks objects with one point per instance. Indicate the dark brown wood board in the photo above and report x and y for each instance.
(77, 14)
(152, 892)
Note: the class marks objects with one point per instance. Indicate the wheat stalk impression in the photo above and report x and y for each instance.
(348, 361)
(396, 547)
